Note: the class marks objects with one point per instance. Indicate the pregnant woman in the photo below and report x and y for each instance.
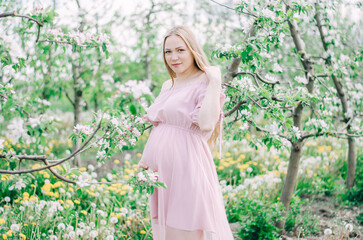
(187, 117)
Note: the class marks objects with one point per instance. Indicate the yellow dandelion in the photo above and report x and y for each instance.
(116, 161)
(23, 237)
(84, 212)
(142, 232)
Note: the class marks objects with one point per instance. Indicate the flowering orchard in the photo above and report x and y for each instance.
(293, 82)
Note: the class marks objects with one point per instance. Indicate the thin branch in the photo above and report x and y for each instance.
(347, 124)
(265, 81)
(60, 160)
(256, 75)
(248, 14)
(263, 108)
(335, 134)
(69, 98)
(258, 128)
(15, 14)
(235, 108)
(27, 157)
(57, 174)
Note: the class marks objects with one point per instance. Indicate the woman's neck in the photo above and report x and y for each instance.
(184, 77)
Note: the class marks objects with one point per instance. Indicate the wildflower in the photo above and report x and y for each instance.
(349, 227)
(124, 211)
(142, 232)
(328, 231)
(53, 237)
(7, 199)
(18, 185)
(84, 212)
(83, 180)
(2, 221)
(23, 237)
(93, 234)
(15, 227)
(61, 226)
(114, 220)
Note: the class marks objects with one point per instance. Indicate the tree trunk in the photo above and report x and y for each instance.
(352, 154)
(295, 153)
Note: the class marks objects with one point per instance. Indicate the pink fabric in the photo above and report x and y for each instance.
(192, 206)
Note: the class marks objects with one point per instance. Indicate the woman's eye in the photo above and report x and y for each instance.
(180, 50)
(167, 51)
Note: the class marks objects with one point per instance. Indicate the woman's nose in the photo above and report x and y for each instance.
(174, 56)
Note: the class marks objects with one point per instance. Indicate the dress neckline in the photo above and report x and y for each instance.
(187, 84)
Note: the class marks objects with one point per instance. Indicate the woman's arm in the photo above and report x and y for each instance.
(210, 108)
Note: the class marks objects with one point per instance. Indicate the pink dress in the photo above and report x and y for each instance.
(192, 206)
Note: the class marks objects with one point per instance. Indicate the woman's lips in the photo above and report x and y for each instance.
(176, 64)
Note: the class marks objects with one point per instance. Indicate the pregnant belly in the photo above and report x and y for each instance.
(170, 145)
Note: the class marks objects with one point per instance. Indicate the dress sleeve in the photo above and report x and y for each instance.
(199, 101)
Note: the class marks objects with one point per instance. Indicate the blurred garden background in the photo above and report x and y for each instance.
(77, 76)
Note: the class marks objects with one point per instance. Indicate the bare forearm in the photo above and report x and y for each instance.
(209, 111)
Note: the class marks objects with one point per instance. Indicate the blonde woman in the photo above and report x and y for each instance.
(186, 115)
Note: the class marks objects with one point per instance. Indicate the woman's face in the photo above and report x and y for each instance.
(178, 56)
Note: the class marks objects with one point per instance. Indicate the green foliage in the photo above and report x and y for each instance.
(258, 219)
(299, 220)
(355, 194)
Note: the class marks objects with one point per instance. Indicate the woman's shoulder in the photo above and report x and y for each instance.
(166, 85)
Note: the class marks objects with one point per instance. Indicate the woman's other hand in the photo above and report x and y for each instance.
(213, 74)
(141, 165)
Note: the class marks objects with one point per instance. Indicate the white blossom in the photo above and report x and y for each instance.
(277, 68)
(300, 79)
(82, 128)
(141, 176)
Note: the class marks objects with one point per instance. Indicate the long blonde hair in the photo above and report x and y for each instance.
(200, 61)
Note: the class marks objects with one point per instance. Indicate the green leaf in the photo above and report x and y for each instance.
(133, 109)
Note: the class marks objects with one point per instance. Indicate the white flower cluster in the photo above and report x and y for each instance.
(277, 68)
(134, 87)
(80, 38)
(302, 80)
(245, 84)
(296, 131)
(83, 128)
(153, 176)
(267, 13)
(316, 123)
(15, 131)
